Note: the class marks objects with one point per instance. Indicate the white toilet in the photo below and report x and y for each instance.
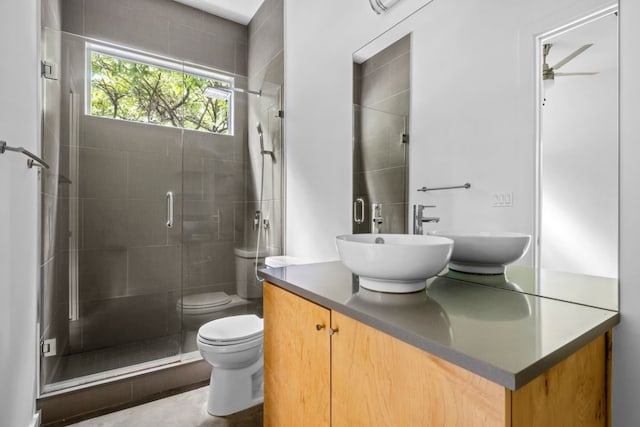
(233, 346)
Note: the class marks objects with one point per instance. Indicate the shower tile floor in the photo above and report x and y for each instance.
(181, 410)
(75, 366)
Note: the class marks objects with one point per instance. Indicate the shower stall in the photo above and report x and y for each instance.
(153, 215)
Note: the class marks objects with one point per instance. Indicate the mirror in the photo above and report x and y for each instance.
(477, 95)
(578, 148)
(381, 101)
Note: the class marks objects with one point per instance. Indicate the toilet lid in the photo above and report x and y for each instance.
(232, 328)
(206, 300)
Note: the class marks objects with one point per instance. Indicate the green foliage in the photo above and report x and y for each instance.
(129, 90)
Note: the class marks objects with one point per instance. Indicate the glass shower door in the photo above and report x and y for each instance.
(112, 233)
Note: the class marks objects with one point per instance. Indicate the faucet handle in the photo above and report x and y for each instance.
(427, 206)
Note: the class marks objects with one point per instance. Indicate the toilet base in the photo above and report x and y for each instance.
(233, 390)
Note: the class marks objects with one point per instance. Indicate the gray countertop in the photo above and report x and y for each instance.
(600, 292)
(505, 336)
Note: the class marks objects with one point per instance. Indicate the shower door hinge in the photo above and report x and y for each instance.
(405, 138)
(48, 347)
(48, 70)
(280, 114)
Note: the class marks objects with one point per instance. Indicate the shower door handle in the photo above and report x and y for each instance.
(169, 209)
(359, 203)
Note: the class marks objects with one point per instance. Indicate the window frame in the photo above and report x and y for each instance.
(153, 60)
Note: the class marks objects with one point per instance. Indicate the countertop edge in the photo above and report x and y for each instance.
(531, 372)
(512, 381)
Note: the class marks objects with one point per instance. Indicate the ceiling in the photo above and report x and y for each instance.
(240, 11)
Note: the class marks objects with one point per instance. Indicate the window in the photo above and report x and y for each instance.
(134, 87)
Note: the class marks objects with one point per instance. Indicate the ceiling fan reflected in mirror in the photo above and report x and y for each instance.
(550, 73)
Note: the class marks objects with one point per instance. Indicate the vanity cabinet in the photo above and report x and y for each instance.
(323, 368)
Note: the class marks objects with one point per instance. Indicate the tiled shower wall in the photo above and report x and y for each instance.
(130, 264)
(266, 72)
(381, 113)
(163, 27)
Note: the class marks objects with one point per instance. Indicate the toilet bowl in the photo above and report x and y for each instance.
(233, 346)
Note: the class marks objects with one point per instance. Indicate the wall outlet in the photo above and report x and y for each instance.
(502, 200)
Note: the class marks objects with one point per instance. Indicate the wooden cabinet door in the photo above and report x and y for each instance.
(297, 361)
(377, 380)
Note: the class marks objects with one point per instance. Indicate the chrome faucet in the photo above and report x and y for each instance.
(376, 217)
(418, 219)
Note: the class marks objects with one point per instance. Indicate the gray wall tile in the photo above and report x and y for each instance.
(151, 176)
(201, 47)
(224, 28)
(398, 103)
(116, 21)
(154, 269)
(267, 40)
(146, 222)
(72, 19)
(242, 58)
(102, 173)
(209, 145)
(386, 185)
(223, 180)
(272, 72)
(102, 273)
(192, 177)
(270, 9)
(399, 74)
(208, 263)
(387, 55)
(114, 134)
(103, 224)
(169, 11)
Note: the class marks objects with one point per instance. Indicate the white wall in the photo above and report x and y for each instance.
(472, 110)
(626, 341)
(19, 125)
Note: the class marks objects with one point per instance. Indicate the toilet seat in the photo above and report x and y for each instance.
(231, 330)
(203, 302)
(229, 342)
(230, 348)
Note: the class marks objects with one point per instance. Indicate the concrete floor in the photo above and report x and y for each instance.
(187, 409)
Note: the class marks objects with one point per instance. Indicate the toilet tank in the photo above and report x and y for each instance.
(247, 286)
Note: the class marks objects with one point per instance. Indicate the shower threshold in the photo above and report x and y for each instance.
(77, 371)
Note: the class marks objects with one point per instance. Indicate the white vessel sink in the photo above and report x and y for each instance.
(485, 252)
(397, 263)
